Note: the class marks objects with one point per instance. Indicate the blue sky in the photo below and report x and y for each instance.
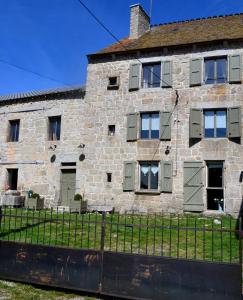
(52, 37)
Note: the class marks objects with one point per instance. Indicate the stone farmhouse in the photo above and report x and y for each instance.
(158, 127)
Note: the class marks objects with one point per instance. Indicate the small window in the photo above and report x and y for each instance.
(151, 76)
(113, 82)
(149, 125)
(14, 130)
(109, 177)
(215, 70)
(215, 123)
(111, 130)
(68, 164)
(215, 191)
(54, 128)
(12, 179)
(149, 173)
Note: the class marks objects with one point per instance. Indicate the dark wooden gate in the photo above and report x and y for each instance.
(129, 276)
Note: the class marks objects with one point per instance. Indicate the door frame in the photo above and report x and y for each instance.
(62, 168)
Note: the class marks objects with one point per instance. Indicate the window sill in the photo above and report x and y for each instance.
(113, 87)
(13, 142)
(147, 192)
(152, 89)
(210, 212)
(215, 138)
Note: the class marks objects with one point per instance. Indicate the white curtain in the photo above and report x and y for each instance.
(154, 170)
(144, 170)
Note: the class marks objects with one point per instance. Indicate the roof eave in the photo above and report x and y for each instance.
(153, 49)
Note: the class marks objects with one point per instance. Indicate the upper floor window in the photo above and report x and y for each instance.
(215, 70)
(54, 128)
(14, 130)
(151, 75)
(113, 83)
(149, 173)
(215, 123)
(150, 123)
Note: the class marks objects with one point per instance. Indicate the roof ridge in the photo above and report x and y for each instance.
(197, 19)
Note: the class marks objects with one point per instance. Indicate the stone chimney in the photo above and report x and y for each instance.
(139, 21)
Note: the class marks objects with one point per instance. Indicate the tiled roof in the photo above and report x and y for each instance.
(32, 94)
(229, 27)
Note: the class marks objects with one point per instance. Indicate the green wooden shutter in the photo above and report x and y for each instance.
(166, 176)
(234, 122)
(132, 127)
(129, 176)
(193, 192)
(167, 74)
(134, 77)
(165, 125)
(195, 126)
(234, 68)
(196, 72)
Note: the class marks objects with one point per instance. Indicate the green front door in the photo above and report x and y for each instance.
(68, 187)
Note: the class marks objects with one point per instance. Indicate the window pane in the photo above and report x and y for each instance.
(155, 126)
(14, 131)
(221, 70)
(209, 123)
(144, 174)
(146, 76)
(154, 171)
(215, 175)
(58, 129)
(156, 75)
(151, 75)
(55, 128)
(209, 71)
(145, 126)
(220, 123)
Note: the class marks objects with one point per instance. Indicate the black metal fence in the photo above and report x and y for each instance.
(161, 256)
(180, 236)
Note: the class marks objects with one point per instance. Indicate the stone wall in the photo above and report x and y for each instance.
(86, 121)
(31, 154)
(111, 107)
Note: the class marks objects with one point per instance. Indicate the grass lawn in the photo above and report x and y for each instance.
(18, 291)
(188, 236)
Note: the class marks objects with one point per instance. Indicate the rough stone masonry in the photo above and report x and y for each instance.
(85, 121)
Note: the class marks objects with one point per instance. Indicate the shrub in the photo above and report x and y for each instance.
(78, 197)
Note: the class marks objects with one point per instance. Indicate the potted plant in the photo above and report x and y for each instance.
(220, 203)
(83, 203)
(35, 200)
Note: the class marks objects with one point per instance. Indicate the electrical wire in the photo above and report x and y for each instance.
(33, 72)
(125, 48)
(115, 38)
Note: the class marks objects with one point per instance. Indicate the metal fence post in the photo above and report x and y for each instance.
(240, 241)
(0, 218)
(102, 245)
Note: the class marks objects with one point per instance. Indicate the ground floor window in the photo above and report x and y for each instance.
(215, 186)
(12, 179)
(149, 173)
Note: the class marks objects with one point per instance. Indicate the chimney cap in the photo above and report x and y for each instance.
(142, 9)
